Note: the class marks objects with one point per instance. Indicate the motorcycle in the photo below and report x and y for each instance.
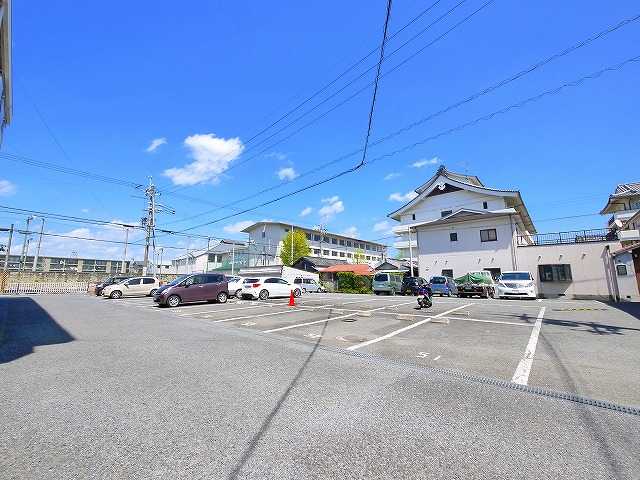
(424, 298)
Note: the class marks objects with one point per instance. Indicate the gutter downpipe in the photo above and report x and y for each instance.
(613, 278)
(514, 245)
(410, 252)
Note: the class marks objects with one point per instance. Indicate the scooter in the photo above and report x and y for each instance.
(424, 297)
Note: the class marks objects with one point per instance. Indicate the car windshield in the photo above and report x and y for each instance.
(438, 280)
(178, 280)
(516, 276)
(411, 281)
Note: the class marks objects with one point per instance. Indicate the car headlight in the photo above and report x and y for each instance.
(529, 285)
(500, 284)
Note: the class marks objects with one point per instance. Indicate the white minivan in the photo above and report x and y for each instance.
(516, 284)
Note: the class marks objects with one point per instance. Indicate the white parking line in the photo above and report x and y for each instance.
(326, 320)
(524, 367)
(280, 312)
(198, 312)
(389, 335)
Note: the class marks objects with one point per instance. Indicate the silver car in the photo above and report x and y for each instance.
(132, 287)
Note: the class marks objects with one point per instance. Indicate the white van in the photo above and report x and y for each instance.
(516, 284)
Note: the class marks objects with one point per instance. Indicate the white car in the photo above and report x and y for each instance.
(132, 287)
(309, 285)
(516, 284)
(265, 287)
(235, 286)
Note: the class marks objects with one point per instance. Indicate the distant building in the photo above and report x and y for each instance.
(227, 256)
(265, 243)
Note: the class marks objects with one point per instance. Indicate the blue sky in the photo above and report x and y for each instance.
(229, 106)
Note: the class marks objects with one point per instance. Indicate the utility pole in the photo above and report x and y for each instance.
(5, 274)
(35, 259)
(23, 256)
(149, 223)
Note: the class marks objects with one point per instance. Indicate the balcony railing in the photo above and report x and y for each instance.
(578, 236)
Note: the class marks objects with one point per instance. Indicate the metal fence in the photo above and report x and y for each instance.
(578, 236)
(45, 287)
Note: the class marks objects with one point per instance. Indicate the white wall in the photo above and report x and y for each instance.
(591, 269)
(431, 208)
(468, 253)
(627, 284)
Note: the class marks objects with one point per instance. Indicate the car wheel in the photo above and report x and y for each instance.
(152, 293)
(263, 295)
(222, 297)
(449, 293)
(304, 290)
(297, 292)
(392, 292)
(173, 301)
(115, 294)
(238, 293)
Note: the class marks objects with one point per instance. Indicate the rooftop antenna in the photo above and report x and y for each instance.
(466, 168)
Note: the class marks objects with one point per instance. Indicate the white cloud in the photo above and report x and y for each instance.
(381, 226)
(306, 211)
(350, 232)
(288, 173)
(277, 155)
(391, 176)
(7, 188)
(333, 199)
(398, 197)
(213, 156)
(155, 143)
(238, 227)
(331, 209)
(424, 163)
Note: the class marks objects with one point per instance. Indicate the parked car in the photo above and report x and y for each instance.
(109, 281)
(443, 286)
(235, 286)
(132, 287)
(265, 287)
(389, 283)
(309, 285)
(193, 287)
(516, 284)
(412, 285)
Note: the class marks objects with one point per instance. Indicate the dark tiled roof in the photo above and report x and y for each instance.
(321, 262)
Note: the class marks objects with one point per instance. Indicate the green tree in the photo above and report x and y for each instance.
(300, 247)
(358, 256)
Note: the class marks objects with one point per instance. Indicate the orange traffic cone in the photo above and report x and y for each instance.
(292, 302)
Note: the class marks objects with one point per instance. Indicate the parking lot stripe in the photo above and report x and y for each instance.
(389, 335)
(198, 312)
(327, 319)
(279, 312)
(521, 376)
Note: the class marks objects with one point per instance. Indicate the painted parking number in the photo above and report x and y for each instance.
(426, 354)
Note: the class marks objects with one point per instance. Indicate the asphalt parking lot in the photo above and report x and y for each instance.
(585, 348)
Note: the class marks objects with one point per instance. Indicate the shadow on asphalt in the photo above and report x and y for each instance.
(632, 308)
(25, 325)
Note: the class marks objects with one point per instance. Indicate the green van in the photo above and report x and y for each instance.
(387, 282)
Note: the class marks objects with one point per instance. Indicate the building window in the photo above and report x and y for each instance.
(368, 257)
(325, 252)
(334, 241)
(342, 243)
(368, 247)
(453, 237)
(316, 238)
(444, 213)
(334, 253)
(286, 230)
(413, 216)
(316, 251)
(485, 205)
(555, 273)
(349, 255)
(349, 244)
(342, 254)
(622, 269)
(447, 273)
(264, 233)
(325, 239)
(488, 235)
(308, 235)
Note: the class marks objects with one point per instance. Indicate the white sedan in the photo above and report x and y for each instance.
(265, 287)
(235, 286)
